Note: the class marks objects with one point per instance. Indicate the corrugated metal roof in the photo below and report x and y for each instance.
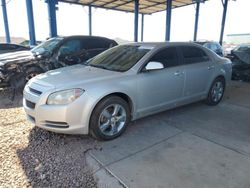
(145, 6)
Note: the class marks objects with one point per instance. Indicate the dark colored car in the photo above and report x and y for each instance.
(214, 46)
(18, 67)
(7, 48)
(240, 57)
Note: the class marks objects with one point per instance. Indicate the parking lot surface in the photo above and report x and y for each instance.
(191, 146)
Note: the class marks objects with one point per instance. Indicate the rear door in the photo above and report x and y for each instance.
(158, 89)
(199, 70)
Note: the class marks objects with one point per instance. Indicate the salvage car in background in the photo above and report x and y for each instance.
(17, 68)
(240, 57)
(214, 46)
(7, 48)
(124, 83)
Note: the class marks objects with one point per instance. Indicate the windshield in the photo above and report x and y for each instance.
(48, 45)
(120, 58)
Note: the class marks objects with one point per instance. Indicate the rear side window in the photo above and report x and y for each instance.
(193, 55)
(96, 43)
(168, 57)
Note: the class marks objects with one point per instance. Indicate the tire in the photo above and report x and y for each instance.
(31, 72)
(216, 91)
(106, 123)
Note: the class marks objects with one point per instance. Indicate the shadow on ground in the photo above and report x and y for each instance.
(10, 100)
(56, 160)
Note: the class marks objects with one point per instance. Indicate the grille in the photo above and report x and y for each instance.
(30, 104)
(35, 91)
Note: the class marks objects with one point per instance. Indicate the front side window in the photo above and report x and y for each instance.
(120, 58)
(69, 47)
(168, 57)
(193, 55)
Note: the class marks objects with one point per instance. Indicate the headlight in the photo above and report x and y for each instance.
(64, 97)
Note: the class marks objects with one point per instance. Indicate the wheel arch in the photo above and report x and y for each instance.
(122, 95)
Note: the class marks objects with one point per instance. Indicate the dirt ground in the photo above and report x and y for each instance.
(32, 157)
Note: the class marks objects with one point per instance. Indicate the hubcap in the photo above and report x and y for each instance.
(112, 119)
(217, 91)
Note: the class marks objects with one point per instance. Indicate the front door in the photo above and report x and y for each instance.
(159, 88)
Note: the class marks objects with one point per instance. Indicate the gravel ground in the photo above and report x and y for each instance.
(32, 157)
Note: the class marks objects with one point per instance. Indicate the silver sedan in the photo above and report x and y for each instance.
(127, 82)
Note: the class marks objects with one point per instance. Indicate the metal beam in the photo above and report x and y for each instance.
(90, 20)
(223, 20)
(142, 26)
(196, 20)
(125, 3)
(136, 20)
(168, 19)
(5, 20)
(31, 24)
(52, 17)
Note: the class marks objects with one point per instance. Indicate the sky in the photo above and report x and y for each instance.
(73, 20)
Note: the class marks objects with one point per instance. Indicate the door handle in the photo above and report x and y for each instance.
(210, 67)
(178, 73)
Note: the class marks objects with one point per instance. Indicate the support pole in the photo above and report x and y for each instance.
(52, 17)
(225, 3)
(90, 20)
(168, 19)
(5, 20)
(196, 20)
(136, 20)
(142, 27)
(31, 22)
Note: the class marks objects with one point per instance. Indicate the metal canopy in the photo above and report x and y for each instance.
(145, 6)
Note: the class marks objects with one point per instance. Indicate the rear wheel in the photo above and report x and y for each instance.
(109, 118)
(216, 91)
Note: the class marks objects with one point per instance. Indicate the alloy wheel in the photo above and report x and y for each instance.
(217, 91)
(112, 119)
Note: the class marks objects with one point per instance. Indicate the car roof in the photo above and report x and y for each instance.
(162, 44)
(205, 42)
(84, 37)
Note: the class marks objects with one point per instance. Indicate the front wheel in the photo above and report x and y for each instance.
(216, 91)
(109, 118)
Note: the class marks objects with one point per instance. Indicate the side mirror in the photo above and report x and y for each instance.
(153, 65)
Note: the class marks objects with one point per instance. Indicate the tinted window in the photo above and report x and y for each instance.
(96, 43)
(193, 55)
(70, 46)
(168, 57)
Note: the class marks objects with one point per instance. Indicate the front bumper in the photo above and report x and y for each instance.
(68, 119)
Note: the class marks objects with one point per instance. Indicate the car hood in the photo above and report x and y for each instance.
(16, 57)
(74, 75)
